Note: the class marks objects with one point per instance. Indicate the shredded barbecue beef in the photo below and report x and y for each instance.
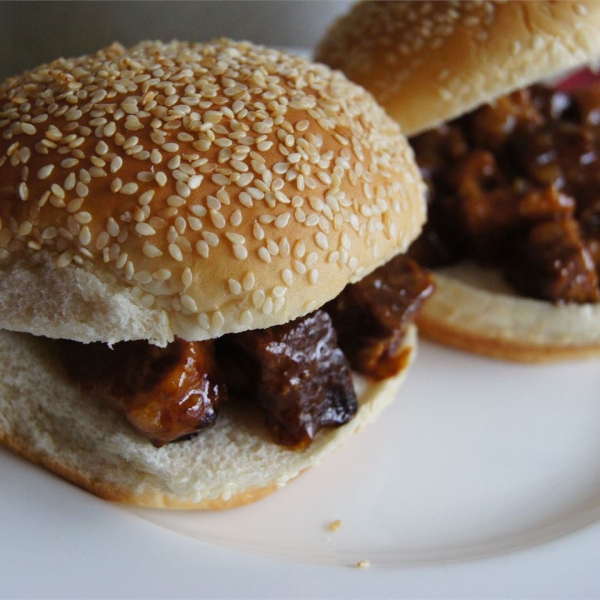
(517, 184)
(296, 373)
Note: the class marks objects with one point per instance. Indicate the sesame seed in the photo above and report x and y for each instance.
(246, 318)
(112, 227)
(25, 228)
(235, 287)
(175, 252)
(110, 129)
(69, 163)
(23, 191)
(121, 260)
(146, 197)
(258, 298)
(151, 251)
(195, 181)
(45, 172)
(115, 164)
(264, 255)
(189, 303)
(162, 275)
(28, 128)
(175, 201)
(83, 217)
(282, 220)
(83, 190)
(217, 320)
(220, 179)
(210, 238)
(64, 260)
(197, 209)
(57, 190)
(217, 219)
(194, 223)
(102, 240)
(240, 252)
(101, 148)
(202, 249)
(85, 236)
(182, 189)
(322, 241)
(144, 229)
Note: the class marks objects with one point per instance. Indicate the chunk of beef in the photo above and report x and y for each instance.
(371, 316)
(554, 264)
(165, 393)
(297, 373)
(432, 248)
(436, 149)
(526, 159)
(587, 102)
(492, 211)
(493, 125)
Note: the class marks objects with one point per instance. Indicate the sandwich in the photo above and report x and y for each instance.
(201, 292)
(505, 131)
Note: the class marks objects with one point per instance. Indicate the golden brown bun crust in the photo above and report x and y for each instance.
(216, 187)
(429, 62)
(473, 310)
(50, 421)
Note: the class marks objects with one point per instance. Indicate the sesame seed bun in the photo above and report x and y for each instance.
(186, 190)
(192, 190)
(430, 62)
(232, 463)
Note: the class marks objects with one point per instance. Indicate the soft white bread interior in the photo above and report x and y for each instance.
(474, 310)
(50, 421)
(192, 190)
(429, 62)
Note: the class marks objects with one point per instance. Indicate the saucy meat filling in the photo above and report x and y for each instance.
(517, 184)
(297, 373)
(371, 316)
(165, 393)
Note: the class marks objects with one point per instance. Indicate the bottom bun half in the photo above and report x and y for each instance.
(50, 421)
(472, 309)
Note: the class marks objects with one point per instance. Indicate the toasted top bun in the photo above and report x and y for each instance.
(429, 62)
(192, 190)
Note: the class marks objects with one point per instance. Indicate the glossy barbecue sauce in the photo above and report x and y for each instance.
(298, 374)
(516, 184)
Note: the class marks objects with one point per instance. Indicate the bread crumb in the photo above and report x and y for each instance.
(363, 564)
(335, 525)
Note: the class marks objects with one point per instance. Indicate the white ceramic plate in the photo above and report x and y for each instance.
(476, 458)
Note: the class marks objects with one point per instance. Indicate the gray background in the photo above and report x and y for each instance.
(35, 32)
